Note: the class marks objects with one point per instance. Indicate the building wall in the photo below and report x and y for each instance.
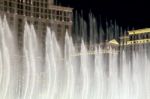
(50, 2)
(41, 13)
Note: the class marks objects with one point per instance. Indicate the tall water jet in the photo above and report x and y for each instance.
(30, 53)
(100, 79)
(7, 48)
(51, 64)
(85, 71)
(70, 63)
(75, 72)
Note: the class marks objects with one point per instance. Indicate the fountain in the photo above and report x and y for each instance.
(68, 74)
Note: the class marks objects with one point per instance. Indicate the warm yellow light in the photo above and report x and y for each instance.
(113, 42)
(139, 31)
(141, 41)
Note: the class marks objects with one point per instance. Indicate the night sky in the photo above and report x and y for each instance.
(127, 13)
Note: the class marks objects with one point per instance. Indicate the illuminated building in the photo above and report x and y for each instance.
(134, 37)
(41, 13)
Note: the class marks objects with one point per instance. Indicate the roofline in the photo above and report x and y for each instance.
(139, 31)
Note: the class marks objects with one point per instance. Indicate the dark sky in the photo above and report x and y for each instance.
(127, 13)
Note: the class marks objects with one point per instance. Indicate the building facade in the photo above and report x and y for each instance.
(41, 13)
(132, 40)
(133, 37)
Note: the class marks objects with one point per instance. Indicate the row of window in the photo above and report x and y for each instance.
(36, 23)
(40, 15)
(20, 6)
(43, 11)
(60, 18)
(139, 42)
(136, 41)
(27, 0)
(141, 36)
(59, 29)
(36, 4)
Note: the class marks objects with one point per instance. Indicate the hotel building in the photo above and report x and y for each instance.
(41, 13)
